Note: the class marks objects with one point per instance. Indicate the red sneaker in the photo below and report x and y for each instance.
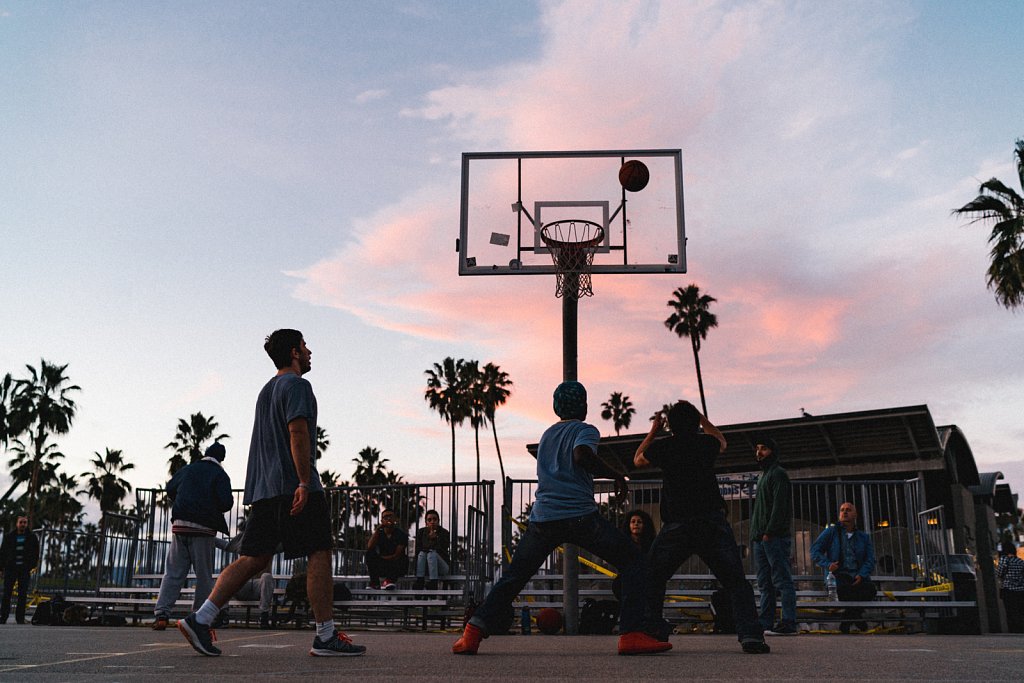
(639, 643)
(469, 643)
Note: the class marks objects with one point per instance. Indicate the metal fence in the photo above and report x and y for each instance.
(125, 548)
(888, 510)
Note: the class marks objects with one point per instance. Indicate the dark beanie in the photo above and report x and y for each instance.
(570, 401)
(216, 451)
(768, 442)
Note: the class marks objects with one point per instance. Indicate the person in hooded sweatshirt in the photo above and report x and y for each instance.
(201, 494)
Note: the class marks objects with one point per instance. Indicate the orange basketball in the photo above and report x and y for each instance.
(549, 621)
(634, 175)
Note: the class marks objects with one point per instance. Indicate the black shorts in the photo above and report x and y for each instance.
(271, 524)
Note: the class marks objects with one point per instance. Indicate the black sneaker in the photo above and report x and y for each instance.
(264, 620)
(755, 647)
(418, 584)
(339, 645)
(222, 620)
(783, 629)
(199, 636)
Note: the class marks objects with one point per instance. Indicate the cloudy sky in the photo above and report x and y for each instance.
(179, 179)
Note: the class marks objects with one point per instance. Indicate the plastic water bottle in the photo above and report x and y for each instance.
(524, 621)
(830, 586)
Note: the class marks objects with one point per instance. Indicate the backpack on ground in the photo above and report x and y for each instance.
(598, 617)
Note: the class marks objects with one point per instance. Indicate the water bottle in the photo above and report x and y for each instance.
(830, 586)
(524, 621)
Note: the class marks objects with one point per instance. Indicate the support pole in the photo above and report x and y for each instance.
(570, 558)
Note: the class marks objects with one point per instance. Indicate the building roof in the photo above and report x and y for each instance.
(868, 443)
(986, 486)
(1005, 501)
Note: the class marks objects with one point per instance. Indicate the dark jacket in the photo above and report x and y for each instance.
(441, 545)
(202, 494)
(773, 505)
(7, 551)
(828, 548)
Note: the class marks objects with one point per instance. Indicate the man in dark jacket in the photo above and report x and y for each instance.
(202, 494)
(771, 540)
(19, 555)
(848, 554)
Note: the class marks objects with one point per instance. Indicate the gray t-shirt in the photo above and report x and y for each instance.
(271, 472)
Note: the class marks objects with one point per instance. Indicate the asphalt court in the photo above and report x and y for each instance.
(42, 653)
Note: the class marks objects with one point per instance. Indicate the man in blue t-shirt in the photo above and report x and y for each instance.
(564, 511)
(288, 505)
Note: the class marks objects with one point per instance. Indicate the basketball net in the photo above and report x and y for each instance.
(572, 244)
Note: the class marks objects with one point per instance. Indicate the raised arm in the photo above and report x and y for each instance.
(714, 431)
(656, 426)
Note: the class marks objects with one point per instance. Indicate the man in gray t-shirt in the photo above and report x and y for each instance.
(271, 472)
(288, 504)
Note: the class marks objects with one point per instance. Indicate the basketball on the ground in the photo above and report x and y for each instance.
(634, 175)
(549, 621)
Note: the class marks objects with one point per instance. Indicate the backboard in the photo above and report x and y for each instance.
(507, 197)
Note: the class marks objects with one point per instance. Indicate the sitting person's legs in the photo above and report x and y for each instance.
(436, 565)
(374, 567)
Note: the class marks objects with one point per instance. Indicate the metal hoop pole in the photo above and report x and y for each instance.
(570, 556)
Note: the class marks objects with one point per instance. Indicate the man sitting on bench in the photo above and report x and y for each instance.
(849, 555)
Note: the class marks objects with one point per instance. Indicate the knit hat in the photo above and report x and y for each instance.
(216, 451)
(570, 401)
(769, 443)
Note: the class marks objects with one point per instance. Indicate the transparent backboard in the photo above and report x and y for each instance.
(507, 197)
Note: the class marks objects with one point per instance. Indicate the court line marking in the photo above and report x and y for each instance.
(108, 655)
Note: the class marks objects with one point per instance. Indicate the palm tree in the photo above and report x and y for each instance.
(1002, 205)
(189, 440)
(322, 441)
(446, 394)
(664, 414)
(370, 469)
(494, 391)
(6, 429)
(24, 463)
(330, 479)
(474, 398)
(41, 405)
(104, 483)
(57, 502)
(619, 409)
(692, 318)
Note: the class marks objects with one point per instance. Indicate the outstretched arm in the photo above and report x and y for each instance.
(588, 460)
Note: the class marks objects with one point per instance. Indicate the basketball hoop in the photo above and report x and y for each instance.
(572, 244)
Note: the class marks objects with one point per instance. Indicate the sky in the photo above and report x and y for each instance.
(177, 180)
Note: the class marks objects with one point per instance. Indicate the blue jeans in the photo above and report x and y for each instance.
(710, 536)
(430, 564)
(592, 532)
(775, 579)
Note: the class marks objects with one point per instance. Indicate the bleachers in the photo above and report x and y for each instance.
(688, 601)
(404, 606)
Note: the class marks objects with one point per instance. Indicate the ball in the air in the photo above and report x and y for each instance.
(634, 175)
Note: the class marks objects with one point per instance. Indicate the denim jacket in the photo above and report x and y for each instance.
(827, 548)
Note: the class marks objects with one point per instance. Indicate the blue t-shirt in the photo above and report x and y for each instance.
(563, 488)
(271, 471)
